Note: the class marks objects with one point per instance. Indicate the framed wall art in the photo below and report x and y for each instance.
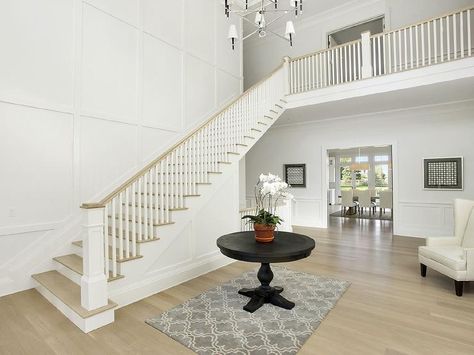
(443, 173)
(295, 175)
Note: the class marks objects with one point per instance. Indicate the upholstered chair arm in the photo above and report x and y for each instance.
(469, 255)
(439, 241)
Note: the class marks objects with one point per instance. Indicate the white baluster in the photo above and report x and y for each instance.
(455, 37)
(121, 222)
(461, 33)
(106, 240)
(469, 41)
(141, 191)
(448, 39)
(134, 219)
(127, 224)
(114, 237)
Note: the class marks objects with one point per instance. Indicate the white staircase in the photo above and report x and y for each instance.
(128, 230)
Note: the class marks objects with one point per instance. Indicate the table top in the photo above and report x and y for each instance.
(285, 247)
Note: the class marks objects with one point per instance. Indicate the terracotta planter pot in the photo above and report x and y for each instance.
(263, 233)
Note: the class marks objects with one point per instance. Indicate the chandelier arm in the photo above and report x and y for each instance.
(278, 35)
(249, 35)
(249, 21)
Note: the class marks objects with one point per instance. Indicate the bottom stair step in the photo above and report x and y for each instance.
(74, 263)
(68, 292)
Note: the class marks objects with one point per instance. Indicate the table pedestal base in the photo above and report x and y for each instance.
(265, 293)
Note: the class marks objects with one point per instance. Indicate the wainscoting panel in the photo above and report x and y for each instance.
(420, 219)
(110, 66)
(36, 165)
(200, 90)
(126, 10)
(227, 87)
(108, 153)
(169, 27)
(200, 29)
(37, 60)
(162, 84)
(307, 212)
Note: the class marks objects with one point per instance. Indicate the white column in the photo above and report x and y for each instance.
(93, 281)
(366, 55)
(286, 70)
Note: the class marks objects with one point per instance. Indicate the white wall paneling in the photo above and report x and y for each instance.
(200, 91)
(36, 164)
(90, 91)
(36, 65)
(162, 84)
(170, 26)
(109, 68)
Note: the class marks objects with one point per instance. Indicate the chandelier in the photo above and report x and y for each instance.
(257, 13)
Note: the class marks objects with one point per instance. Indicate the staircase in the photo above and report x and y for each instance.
(131, 227)
(154, 204)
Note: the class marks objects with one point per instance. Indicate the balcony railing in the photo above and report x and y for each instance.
(437, 40)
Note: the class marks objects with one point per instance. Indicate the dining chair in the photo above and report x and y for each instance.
(386, 201)
(365, 201)
(347, 200)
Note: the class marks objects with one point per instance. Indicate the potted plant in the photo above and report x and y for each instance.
(269, 190)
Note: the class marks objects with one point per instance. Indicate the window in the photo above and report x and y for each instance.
(362, 159)
(381, 177)
(381, 158)
(346, 178)
(345, 160)
(361, 178)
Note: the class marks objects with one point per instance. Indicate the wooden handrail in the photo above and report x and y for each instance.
(386, 32)
(102, 203)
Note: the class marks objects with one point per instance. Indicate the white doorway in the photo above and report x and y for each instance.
(364, 167)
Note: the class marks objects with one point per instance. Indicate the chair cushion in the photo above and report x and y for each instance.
(450, 256)
(468, 238)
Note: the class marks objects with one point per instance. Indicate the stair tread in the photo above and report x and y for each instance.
(74, 263)
(68, 292)
(121, 260)
(143, 220)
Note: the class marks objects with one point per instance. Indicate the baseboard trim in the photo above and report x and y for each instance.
(168, 277)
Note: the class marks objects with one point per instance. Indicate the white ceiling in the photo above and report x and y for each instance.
(457, 90)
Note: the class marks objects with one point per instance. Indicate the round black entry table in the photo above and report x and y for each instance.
(285, 247)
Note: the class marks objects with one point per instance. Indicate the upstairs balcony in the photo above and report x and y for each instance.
(432, 58)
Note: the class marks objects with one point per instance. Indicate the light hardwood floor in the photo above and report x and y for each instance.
(388, 309)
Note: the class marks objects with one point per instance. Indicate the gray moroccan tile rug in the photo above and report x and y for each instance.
(215, 323)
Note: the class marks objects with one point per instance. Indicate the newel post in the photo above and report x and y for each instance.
(94, 280)
(366, 55)
(286, 70)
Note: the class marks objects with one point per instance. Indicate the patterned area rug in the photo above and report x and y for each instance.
(215, 323)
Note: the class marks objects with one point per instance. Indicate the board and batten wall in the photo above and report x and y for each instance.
(91, 90)
(437, 131)
(261, 56)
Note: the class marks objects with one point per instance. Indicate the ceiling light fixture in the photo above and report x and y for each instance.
(261, 9)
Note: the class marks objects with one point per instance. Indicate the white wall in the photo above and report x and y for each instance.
(262, 56)
(90, 91)
(436, 131)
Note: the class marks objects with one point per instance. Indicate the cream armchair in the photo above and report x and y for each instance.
(453, 256)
